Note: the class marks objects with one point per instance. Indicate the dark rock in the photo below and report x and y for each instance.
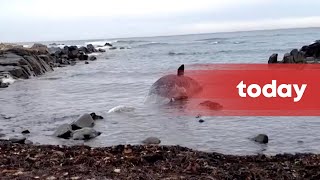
(63, 131)
(91, 48)
(298, 56)
(211, 105)
(83, 57)
(18, 139)
(85, 134)
(86, 62)
(151, 140)
(122, 48)
(83, 49)
(95, 117)
(108, 44)
(84, 121)
(102, 50)
(261, 138)
(288, 59)
(313, 50)
(3, 85)
(25, 132)
(273, 59)
(113, 48)
(28, 142)
(201, 121)
(41, 49)
(92, 58)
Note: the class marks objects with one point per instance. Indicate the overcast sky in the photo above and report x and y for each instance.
(40, 20)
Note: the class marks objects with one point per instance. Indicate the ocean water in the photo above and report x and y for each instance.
(123, 77)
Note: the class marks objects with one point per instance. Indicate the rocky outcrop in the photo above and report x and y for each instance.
(81, 129)
(306, 54)
(24, 63)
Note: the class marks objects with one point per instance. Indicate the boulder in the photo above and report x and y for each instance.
(83, 49)
(313, 50)
(211, 105)
(40, 48)
(85, 120)
(95, 116)
(63, 131)
(273, 59)
(17, 139)
(298, 56)
(3, 85)
(201, 121)
(91, 48)
(151, 140)
(288, 59)
(25, 131)
(85, 134)
(92, 58)
(261, 138)
(83, 57)
(108, 44)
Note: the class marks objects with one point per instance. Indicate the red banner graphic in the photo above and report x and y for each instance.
(256, 90)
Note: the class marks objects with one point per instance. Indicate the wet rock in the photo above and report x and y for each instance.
(85, 134)
(85, 120)
(17, 139)
(3, 85)
(91, 48)
(273, 59)
(108, 44)
(83, 57)
(298, 56)
(63, 131)
(288, 59)
(86, 62)
(261, 138)
(122, 48)
(113, 48)
(151, 140)
(28, 142)
(201, 121)
(95, 116)
(25, 131)
(211, 105)
(92, 58)
(83, 49)
(102, 50)
(42, 49)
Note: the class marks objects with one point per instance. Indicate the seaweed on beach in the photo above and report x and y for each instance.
(19, 161)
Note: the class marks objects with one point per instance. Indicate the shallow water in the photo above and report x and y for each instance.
(123, 77)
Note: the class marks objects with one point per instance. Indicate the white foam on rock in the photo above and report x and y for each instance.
(121, 108)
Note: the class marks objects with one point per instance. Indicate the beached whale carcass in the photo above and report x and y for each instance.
(175, 86)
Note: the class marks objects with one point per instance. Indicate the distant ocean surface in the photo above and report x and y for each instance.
(123, 77)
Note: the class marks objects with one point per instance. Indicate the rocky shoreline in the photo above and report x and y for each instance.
(308, 54)
(21, 161)
(18, 62)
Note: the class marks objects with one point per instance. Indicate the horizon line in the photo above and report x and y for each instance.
(171, 35)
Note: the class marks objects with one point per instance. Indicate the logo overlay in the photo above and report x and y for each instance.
(256, 90)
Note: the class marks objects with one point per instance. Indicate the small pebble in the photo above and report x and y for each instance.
(117, 170)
